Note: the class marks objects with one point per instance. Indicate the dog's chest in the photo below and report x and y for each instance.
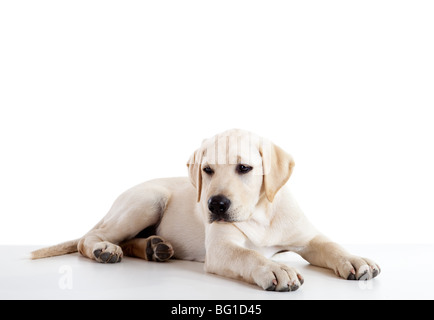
(260, 240)
(259, 231)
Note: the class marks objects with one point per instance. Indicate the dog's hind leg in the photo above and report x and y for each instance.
(153, 248)
(136, 209)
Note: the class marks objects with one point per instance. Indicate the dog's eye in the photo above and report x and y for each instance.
(241, 168)
(208, 170)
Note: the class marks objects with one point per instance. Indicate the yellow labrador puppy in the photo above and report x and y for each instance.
(231, 211)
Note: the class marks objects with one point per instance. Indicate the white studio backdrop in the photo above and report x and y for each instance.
(97, 96)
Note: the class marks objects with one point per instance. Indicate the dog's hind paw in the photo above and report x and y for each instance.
(153, 248)
(106, 252)
(157, 249)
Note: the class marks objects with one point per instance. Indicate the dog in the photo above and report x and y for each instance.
(233, 213)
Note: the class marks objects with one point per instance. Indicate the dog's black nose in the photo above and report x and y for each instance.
(219, 204)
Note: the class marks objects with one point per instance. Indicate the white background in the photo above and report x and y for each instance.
(97, 96)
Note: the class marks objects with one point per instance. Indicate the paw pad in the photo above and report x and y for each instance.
(158, 250)
(107, 256)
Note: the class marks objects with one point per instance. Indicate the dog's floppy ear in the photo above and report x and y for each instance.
(194, 165)
(277, 166)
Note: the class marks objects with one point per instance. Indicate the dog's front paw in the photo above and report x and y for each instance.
(276, 276)
(357, 268)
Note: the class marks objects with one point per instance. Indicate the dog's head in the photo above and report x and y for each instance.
(233, 170)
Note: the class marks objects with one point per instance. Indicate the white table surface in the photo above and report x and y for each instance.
(406, 274)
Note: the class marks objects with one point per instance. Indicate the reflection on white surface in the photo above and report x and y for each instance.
(75, 277)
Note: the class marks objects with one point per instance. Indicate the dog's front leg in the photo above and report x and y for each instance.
(227, 256)
(322, 252)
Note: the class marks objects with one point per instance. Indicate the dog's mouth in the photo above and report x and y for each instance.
(214, 218)
(234, 214)
(217, 218)
(225, 218)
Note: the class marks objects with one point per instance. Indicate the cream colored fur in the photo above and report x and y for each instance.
(263, 217)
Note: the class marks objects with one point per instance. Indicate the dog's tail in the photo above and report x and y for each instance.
(57, 250)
